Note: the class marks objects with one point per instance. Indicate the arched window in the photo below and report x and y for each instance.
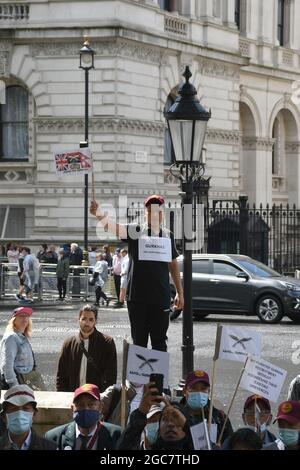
(14, 124)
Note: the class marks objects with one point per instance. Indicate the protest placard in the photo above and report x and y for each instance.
(263, 378)
(142, 362)
(235, 343)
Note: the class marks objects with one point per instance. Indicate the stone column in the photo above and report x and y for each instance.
(204, 9)
(292, 155)
(257, 155)
(228, 13)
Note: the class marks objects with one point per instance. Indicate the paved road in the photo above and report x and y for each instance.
(53, 325)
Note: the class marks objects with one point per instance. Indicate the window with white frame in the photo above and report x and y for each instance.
(14, 139)
(283, 22)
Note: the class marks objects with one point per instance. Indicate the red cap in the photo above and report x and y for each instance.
(154, 199)
(22, 311)
(252, 398)
(197, 376)
(89, 389)
(289, 411)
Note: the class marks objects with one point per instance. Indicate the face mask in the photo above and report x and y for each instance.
(289, 436)
(151, 431)
(19, 422)
(86, 418)
(197, 400)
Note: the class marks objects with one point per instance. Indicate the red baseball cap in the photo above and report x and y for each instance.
(89, 389)
(22, 311)
(252, 398)
(289, 411)
(197, 376)
(154, 199)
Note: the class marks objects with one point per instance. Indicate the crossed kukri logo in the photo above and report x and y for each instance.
(240, 341)
(146, 362)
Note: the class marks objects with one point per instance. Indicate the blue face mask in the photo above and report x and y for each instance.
(151, 431)
(289, 437)
(19, 421)
(197, 400)
(86, 418)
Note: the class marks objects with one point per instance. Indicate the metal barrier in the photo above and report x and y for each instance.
(46, 282)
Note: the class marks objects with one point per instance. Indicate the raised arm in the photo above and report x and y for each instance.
(112, 227)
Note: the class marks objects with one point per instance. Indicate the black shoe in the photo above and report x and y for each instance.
(96, 304)
(119, 305)
(107, 302)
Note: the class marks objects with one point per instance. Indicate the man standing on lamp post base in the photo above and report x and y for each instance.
(150, 262)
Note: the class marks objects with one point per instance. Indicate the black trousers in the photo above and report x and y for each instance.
(99, 293)
(62, 287)
(117, 279)
(148, 320)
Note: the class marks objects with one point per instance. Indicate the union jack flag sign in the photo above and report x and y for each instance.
(73, 162)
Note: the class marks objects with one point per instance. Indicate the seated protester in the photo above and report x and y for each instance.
(288, 419)
(87, 431)
(111, 402)
(174, 429)
(294, 389)
(262, 414)
(257, 420)
(196, 403)
(19, 409)
(132, 437)
(244, 439)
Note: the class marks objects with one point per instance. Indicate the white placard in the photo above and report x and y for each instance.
(199, 438)
(263, 378)
(236, 343)
(73, 162)
(142, 362)
(155, 249)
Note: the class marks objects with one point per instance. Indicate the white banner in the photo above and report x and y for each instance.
(155, 249)
(199, 435)
(142, 362)
(263, 378)
(235, 343)
(73, 162)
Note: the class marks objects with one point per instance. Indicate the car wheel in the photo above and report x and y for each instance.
(198, 316)
(269, 309)
(295, 319)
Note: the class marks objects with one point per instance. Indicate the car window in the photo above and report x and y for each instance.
(201, 266)
(225, 269)
(258, 269)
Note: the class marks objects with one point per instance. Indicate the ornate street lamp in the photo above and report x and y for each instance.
(86, 57)
(187, 122)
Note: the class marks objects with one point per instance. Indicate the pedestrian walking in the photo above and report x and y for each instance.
(100, 279)
(116, 266)
(88, 357)
(62, 273)
(75, 258)
(148, 289)
(12, 253)
(28, 273)
(124, 279)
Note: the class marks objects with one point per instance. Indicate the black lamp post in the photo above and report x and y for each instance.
(187, 122)
(86, 55)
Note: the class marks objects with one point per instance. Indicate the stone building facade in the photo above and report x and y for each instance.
(244, 56)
